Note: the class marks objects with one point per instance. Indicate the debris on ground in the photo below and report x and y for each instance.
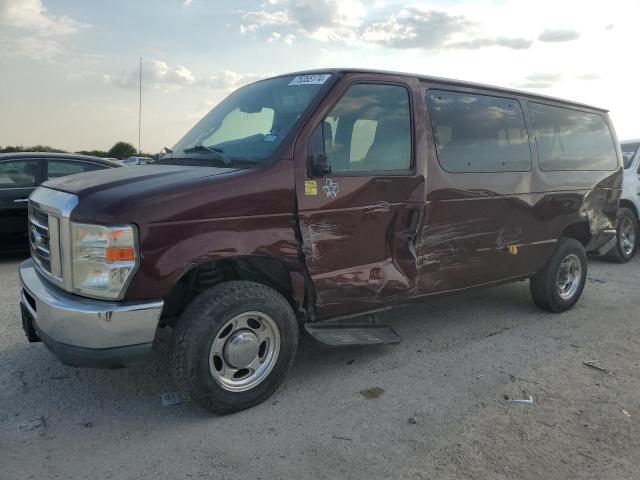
(520, 401)
(412, 420)
(351, 361)
(173, 398)
(626, 414)
(338, 437)
(371, 393)
(591, 363)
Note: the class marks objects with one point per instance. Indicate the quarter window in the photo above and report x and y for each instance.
(478, 133)
(572, 140)
(19, 173)
(369, 129)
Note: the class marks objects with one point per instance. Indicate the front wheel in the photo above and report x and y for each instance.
(558, 286)
(626, 237)
(234, 345)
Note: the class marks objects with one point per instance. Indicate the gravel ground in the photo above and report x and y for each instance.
(433, 407)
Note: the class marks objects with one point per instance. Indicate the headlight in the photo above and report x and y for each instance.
(103, 259)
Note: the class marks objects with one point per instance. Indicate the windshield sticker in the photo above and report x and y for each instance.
(331, 188)
(317, 79)
(270, 137)
(310, 187)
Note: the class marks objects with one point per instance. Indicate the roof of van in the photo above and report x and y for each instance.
(450, 81)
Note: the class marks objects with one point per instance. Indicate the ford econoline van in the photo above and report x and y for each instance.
(307, 202)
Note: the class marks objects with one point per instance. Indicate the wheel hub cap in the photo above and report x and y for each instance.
(569, 277)
(244, 351)
(627, 236)
(241, 349)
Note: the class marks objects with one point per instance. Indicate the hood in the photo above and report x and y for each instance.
(142, 179)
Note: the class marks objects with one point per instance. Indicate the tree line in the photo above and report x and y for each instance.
(120, 150)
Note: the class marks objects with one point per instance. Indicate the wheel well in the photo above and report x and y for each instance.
(264, 270)
(631, 206)
(579, 231)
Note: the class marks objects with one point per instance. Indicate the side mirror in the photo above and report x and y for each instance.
(320, 164)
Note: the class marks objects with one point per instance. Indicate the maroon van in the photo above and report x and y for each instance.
(306, 202)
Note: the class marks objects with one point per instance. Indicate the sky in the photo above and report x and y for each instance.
(69, 69)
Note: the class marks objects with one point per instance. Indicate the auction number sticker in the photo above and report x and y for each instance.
(316, 79)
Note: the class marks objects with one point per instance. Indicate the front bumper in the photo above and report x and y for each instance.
(85, 332)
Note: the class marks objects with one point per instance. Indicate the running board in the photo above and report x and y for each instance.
(350, 334)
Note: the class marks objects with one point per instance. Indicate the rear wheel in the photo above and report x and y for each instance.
(233, 346)
(626, 237)
(558, 286)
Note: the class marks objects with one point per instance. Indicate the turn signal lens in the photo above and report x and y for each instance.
(120, 254)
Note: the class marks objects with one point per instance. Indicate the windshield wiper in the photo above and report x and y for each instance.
(217, 152)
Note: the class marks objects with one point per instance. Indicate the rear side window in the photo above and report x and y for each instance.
(478, 133)
(572, 140)
(19, 173)
(60, 168)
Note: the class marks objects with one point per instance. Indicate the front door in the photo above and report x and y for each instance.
(358, 217)
(18, 178)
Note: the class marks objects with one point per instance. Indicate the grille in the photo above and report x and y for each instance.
(39, 237)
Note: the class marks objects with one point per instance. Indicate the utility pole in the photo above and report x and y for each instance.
(140, 110)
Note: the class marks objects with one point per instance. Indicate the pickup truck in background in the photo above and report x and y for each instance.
(627, 233)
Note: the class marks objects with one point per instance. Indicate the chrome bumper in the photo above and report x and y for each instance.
(87, 332)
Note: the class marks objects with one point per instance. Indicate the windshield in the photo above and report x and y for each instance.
(251, 122)
(628, 151)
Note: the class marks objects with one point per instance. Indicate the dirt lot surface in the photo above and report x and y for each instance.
(433, 407)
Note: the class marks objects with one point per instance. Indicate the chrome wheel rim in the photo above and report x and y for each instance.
(627, 235)
(569, 276)
(244, 351)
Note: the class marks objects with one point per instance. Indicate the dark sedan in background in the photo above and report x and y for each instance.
(20, 174)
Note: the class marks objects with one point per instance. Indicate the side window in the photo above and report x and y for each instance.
(369, 130)
(19, 173)
(478, 133)
(572, 140)
(61, 168)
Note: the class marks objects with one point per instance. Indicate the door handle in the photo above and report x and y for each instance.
(414, 218)
(21, 200)
(381, 206)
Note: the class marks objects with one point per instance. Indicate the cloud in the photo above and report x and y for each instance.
(324, 20)
(158, 75)
(28, 30)
(544, 77)
(155, 74)
(535, 85)
(228, 80)
(589, 76)
(506, 42)
(412, 26)
(276, 36)
(415, 27)
(187, 3)
(561, 35)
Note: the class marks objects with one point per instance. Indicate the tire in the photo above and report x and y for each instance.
(626, 237)
(544, 285)
(214, 338)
